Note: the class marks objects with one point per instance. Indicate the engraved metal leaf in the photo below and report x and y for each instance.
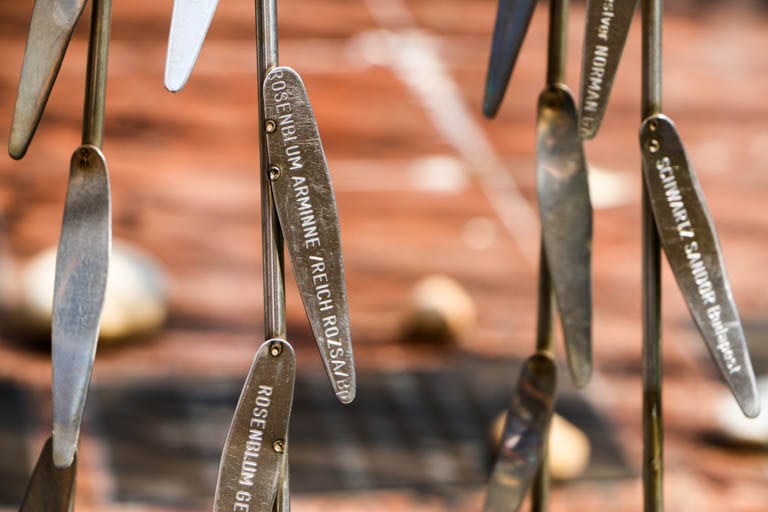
(525, 432)
(257, 441)
(50, 489)
(189, 25)
(512, 20)
(566, 223)
(50, 31)
(82, 262)
(608, 23)
(306, 208)
(690, 242)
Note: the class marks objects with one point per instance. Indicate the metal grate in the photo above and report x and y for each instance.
(13, 444)
(425, 431)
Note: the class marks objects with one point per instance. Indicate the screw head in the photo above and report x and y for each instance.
(274, 172)
(653, 126)
(279, 446)
(276, 348)
(270, 126)
(654, 146)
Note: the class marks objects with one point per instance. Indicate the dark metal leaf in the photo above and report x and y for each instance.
(608, 23)
(512, 22)
(50, 31)
(306, 207)
(525, 432)
(258, 436)
(690, 242)
(50, 489)
(566, 223)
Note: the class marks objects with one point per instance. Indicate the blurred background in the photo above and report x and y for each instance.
(440, 235)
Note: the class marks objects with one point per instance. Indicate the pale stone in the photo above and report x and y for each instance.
(439, 310)
(135, 302)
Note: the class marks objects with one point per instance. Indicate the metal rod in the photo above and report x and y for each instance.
(557, 47)
(271, 235)
(96, 74)
(544, 342)
(653, 427)
(540, 488)
(557, 42)
(651, 15)
(545, 306)
(283, 498)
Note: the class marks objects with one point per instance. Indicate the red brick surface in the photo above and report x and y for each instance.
(185, 186)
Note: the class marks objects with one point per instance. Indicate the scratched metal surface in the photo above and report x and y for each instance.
(423, 185)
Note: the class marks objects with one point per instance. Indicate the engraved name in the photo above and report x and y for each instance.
(249, 466)
(311, 239)
(594, 86)
(706, 289)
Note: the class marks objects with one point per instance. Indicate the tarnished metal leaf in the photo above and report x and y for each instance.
(566, 223)
(608, 23)
(258, 436)
(690, 242)
(82, 262)
(50, 31)
(50, 489)
(306, 207)
(525, 432)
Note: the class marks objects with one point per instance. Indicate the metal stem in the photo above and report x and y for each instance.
(271, 234)
(557, 47)
(544, 342)
(651, 15)
(653, 427)
(545, 306)
(557, 42)
(96, 74)
(540, 489)
(283, 498)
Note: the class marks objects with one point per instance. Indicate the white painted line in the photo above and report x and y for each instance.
(414, 57)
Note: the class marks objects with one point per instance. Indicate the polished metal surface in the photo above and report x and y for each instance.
(82, 262)
(306, 206)
(690, 242)
(525, 433)
(189, 25)
(566, 223)
(50, 31)
(50, 489)
(607, 27)
(512, 20)
(256, 444)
